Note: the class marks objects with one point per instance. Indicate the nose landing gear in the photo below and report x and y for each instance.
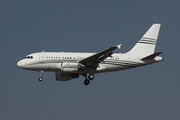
(41, 75)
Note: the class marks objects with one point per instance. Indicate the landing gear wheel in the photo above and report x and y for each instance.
(91, 77)
(40, 79)
(86, 82)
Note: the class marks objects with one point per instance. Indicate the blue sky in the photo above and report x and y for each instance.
(150, 92)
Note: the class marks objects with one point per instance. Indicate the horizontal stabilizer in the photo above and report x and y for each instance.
(151, 56)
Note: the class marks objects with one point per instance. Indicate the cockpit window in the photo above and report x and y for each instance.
(29, 57)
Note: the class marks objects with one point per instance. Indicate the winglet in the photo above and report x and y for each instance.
(119, 46)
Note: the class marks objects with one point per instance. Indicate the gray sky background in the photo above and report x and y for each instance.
(146, 93)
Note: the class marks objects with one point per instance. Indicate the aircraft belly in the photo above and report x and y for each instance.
(103, 67)
(110, 67)
(45, 67)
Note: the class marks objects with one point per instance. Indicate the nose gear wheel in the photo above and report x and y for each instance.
(41, 75)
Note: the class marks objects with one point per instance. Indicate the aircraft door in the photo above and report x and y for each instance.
(41, 56)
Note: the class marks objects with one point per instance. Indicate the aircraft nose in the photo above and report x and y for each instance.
(19, 64)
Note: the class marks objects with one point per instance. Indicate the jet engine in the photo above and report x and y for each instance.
(65, 76)
(68, 67)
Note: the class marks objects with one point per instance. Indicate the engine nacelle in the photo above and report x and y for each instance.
(65, 77)
(69, 67)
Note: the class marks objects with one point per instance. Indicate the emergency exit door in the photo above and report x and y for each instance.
(41, 56)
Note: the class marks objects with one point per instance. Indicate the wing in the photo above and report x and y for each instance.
(98, 57)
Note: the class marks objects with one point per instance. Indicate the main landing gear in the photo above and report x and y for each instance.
(90, 77)
(41, 75)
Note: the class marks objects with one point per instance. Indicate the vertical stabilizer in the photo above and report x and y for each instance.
(146, 45)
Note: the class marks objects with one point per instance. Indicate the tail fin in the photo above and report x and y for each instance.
(146, 45)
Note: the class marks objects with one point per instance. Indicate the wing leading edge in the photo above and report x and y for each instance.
(100, 56)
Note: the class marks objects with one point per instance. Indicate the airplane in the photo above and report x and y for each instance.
(70, 65)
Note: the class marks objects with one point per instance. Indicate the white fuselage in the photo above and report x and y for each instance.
(69, 65)
(52, 61)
